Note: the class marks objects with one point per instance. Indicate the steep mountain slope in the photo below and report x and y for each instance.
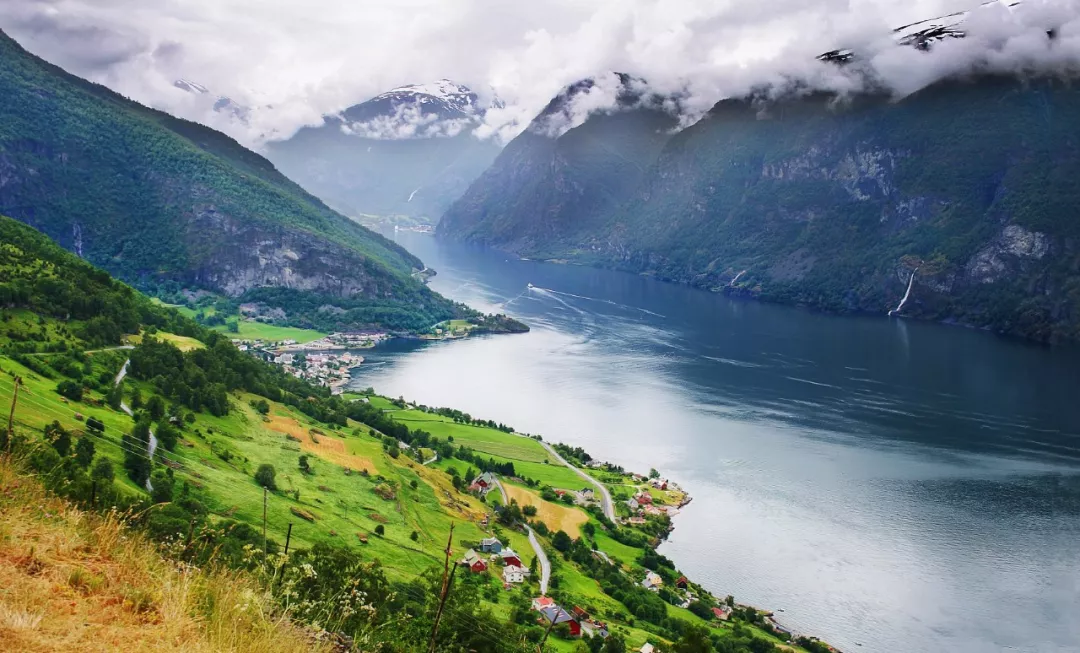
(541, 189)
(835, 205)
(410, 151)
(164, 202)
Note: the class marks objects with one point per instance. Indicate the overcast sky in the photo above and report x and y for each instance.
(293, 61)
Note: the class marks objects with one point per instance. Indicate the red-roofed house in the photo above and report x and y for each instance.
(643, 498)
(541, 602)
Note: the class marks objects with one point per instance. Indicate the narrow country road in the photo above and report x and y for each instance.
(541, 557)
(152, 445)
(605, 497)
(545, 565)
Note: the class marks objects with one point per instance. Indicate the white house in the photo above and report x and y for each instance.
(652, 581)
(647, 648)
(514, 574)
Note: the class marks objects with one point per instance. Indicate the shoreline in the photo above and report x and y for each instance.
(769, 616)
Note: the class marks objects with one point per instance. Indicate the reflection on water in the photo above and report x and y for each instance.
(906, 486)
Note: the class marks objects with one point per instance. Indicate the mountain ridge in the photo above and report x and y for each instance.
(409, 151)
(163, 202)
(825, 202)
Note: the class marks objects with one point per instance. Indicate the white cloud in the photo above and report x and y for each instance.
(293, 61)
(408, 121)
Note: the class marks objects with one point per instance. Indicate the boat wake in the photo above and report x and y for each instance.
(593, 299)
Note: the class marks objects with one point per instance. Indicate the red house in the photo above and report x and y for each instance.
(511, 558)
(682, 582)
(474, 562)
(555, 614)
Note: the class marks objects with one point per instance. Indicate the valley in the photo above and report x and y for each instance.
(242, 449)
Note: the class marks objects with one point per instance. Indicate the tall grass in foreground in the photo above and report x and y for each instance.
(78, 581)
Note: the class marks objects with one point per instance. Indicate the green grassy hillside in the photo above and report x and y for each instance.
(247, 462)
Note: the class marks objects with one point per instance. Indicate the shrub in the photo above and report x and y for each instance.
(71, 390)
(380, 530)
(264, 476)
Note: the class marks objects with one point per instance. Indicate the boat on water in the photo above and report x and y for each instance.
(529, 285)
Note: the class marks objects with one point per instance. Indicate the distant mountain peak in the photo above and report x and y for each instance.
(222, 104)
(191, 87)
(924, 34)
(443, 89)
(432, 110)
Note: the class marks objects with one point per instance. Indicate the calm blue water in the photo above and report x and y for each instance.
(890, 485)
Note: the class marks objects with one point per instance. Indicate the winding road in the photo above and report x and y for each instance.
(541, 557)
(605, 496)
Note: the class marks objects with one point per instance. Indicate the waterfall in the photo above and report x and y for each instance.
(907, 294)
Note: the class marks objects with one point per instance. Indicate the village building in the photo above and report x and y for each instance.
(585, 496)
(636, 521)
(541, 602)
(553, 614)
(682, 582)
(632, 503)
(594, 629)
(652, 581)
(483, 483)
(512, 574)
(491, 545)
(643, 498)
(647, 648)
(510, 558)
(474, 562)
(722, 613)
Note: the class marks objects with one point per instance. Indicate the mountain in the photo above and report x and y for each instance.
(164, 203)
(222, 104)
(409, 152)
(965, 190)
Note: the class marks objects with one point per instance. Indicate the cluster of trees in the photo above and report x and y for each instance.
(573, 454)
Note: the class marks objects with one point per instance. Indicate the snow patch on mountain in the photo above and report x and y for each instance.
(221, 104)
(440, 109)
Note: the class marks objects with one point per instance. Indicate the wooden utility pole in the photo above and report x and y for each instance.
(11, 415)
(445, 590)
(288, 536)
(547, 632)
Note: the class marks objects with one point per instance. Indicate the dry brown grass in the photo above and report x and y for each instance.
(73, 581)
(555, 516)
(329, 448)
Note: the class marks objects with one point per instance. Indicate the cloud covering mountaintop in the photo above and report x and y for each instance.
(293, 62)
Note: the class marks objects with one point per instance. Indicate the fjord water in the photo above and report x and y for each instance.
(889, 485)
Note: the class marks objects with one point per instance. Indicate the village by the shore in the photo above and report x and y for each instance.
(652, 496)
(327, 361)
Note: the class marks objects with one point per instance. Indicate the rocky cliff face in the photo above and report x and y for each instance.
(833, 204)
